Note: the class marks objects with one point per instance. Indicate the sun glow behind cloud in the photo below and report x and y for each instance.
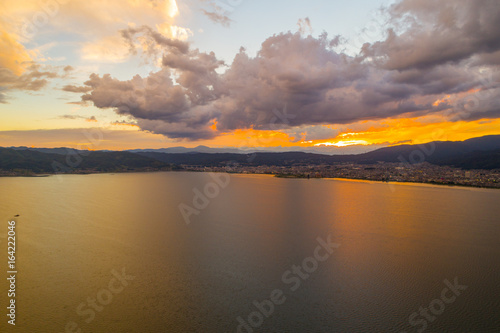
(342, 143)
(414, 131)
(172, 8)
(97, 40)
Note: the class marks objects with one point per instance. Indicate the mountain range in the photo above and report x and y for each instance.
(479, 153)
(476, 153)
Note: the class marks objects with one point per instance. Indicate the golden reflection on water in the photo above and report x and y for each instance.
(398, 243)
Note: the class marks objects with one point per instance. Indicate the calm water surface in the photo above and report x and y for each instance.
(398, 243)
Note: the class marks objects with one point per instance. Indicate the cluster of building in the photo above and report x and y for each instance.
(388, 172)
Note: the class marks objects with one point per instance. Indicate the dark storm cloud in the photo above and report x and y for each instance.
(437, 32)
(441, 49)
(305, 74)
(486, 59)
(181, 110)
(444, 79)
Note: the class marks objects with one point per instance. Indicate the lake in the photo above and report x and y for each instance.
(200, 252)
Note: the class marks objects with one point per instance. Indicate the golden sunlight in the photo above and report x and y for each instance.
(172, 9)
(343, 143)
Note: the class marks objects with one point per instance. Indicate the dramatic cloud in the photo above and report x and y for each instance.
(23, 21)
(434, 33)
(95, 22)
(160, 106)
(105, 31)
(439, 58)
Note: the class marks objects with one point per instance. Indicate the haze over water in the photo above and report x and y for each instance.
(398, 243)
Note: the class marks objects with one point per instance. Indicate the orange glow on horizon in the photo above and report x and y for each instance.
(387, 132)
(415, 131)
(384, 132)
(343, 143)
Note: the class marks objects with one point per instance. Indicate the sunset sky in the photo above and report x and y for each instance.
(357, 74)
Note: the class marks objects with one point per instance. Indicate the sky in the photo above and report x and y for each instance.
(328, 75)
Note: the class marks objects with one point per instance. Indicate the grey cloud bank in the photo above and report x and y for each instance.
(432, 49)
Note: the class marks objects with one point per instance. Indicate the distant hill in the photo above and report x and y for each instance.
(439, 152)
(323, 150)
(199, 149)
(38, 162)
(435, 152)
(60, 150)
(477, 153)
(486, 160)
(281, 159)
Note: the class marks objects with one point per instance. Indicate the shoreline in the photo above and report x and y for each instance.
(437, 184)
(301, 177)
